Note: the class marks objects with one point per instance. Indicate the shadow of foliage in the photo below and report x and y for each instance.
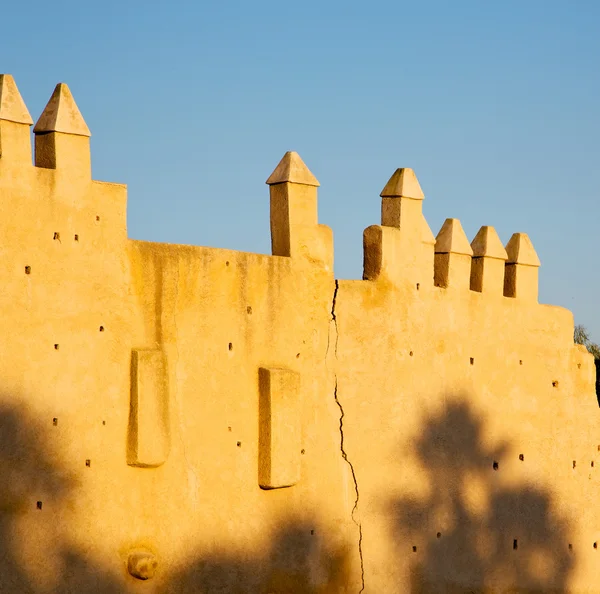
(296, 561)
(472, 533)
(35, 555)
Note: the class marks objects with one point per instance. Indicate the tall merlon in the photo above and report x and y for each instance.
(402, 247)
(487, 265)
(401, 203)
(521, 275)
(452, 256)
(62, 138)
(295, 229)
(402, 206)
(15, 140)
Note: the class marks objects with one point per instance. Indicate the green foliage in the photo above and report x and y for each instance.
(581, 336)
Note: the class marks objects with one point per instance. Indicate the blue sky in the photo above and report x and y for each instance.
(192, 104)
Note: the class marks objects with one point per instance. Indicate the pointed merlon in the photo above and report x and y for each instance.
(452, 239)
(291, 169)
(520, 250)
(487, 244)
(61, 114)
(12, 106)
(403, 184)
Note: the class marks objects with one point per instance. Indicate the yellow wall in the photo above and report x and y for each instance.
(220, 421)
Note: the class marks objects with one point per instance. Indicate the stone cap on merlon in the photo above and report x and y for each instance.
(403, 184)
(292, 169)
(61, 114)
(12, 106)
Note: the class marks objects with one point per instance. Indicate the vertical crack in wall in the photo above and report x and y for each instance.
(342, 449)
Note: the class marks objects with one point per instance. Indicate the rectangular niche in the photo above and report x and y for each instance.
(148, 436)
(279, 428)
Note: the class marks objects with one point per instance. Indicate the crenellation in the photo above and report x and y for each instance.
(295, 230)
(402, 206)
(452, 256)
(15, 121)
(204, 400)
(487, 266)
(521, 272)
(381, 253)
(402, 249)
(62, 138)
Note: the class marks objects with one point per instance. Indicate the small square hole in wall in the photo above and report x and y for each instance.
(38, 505)
(88, 463)
(55, 421)
(555, 384)
(101, 329)
(570, 547)
(495, 465)
(249, 310)
(515, 544)
(520, 361)
(104, 422)
(472, 361)
(411, 354)
(439, 535)
(418, 286)
(231, 346)
(414, 549)
(592, 464)
(27, 269)
(239, 444)
(56, 236)
(97, 217)
(595, 545)
(574, 463)
(521, 457)
(312, 532)
(76, 237)
(578, 365)
(56, 347)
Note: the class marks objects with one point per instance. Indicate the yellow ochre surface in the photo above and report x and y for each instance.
(189, 419)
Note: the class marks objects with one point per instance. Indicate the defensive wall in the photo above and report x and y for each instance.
(189, 419)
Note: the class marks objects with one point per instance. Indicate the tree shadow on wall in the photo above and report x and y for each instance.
(37, 556)
(473, 532)
(35, 553)
(298, 560)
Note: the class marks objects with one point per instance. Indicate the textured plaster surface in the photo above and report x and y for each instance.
(188, 419)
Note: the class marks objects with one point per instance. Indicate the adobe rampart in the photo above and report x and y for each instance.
(190, 419)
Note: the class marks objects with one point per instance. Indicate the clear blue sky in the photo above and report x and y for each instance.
(192, 104)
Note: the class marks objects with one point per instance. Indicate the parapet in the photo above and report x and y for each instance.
(15, 143)
(488, 265)
(56, 179)
(295, 231)
(61, 134)
(452, 256)
(401, 250)
(521, 277)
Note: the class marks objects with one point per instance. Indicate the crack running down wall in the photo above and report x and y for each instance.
(189, 419)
